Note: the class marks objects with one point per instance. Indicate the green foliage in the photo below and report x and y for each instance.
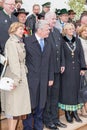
(77, 6)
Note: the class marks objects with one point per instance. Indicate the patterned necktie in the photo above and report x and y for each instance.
(41, 42)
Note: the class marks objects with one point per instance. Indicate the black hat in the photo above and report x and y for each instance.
(71, 12)
(22, 10)
(47, 4)
(63, 11)
(57, 11)
(41, 15)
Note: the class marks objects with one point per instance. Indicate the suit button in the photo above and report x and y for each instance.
(73, 62)
(57, 59)
(56, 45)
(73, 68)
(57, 52)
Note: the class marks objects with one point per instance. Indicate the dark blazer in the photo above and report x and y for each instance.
(56, 41)
(40, 70)
(5, 23)
(30, 22)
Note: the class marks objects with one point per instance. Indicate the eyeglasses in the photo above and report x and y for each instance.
(10, 4)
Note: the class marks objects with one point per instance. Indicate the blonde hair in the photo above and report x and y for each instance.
(67, 26)
(14, 26)
(81, 29)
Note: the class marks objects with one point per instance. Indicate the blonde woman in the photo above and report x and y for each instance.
(82, 32)
(70, 79)
(16, 103)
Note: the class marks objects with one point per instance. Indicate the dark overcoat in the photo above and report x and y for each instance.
(56, 41)
(70, 79)
(40, 69)
(51, 111)
(5, 22)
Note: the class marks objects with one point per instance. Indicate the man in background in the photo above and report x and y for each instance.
(71, 15)
(32, 19)
(21, 14)
(6, 18)
(46, 7)
(83, 18)
(18, 4)
(62, 20)
(51, 113)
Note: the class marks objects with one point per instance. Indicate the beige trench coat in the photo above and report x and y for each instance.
(16, 102)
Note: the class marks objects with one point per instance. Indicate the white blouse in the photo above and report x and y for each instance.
(84, 45)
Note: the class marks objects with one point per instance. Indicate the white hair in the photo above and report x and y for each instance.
(41, 24)
(49, 14)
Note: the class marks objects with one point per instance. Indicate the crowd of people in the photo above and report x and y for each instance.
(46, 57)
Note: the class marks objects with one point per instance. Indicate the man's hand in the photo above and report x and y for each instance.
(50, 83)
(82, 72)
(62, 69)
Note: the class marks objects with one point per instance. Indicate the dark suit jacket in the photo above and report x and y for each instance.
(40, 70)
(56, 41)
(5, 23)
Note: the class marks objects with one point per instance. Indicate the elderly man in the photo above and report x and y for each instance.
(6, 18)
(51, 117)
(40, 66)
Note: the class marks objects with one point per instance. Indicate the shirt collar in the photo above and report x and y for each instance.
(61, 21)
(37, 37)
(7, 13)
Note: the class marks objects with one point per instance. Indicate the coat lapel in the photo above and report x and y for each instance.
(55, 36)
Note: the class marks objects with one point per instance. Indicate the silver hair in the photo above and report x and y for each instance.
(40, 24)
(49, 14)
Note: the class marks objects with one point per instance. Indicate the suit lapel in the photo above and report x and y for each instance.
(45, 45)
(36, 45)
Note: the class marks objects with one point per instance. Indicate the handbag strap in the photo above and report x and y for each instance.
(5, 65)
